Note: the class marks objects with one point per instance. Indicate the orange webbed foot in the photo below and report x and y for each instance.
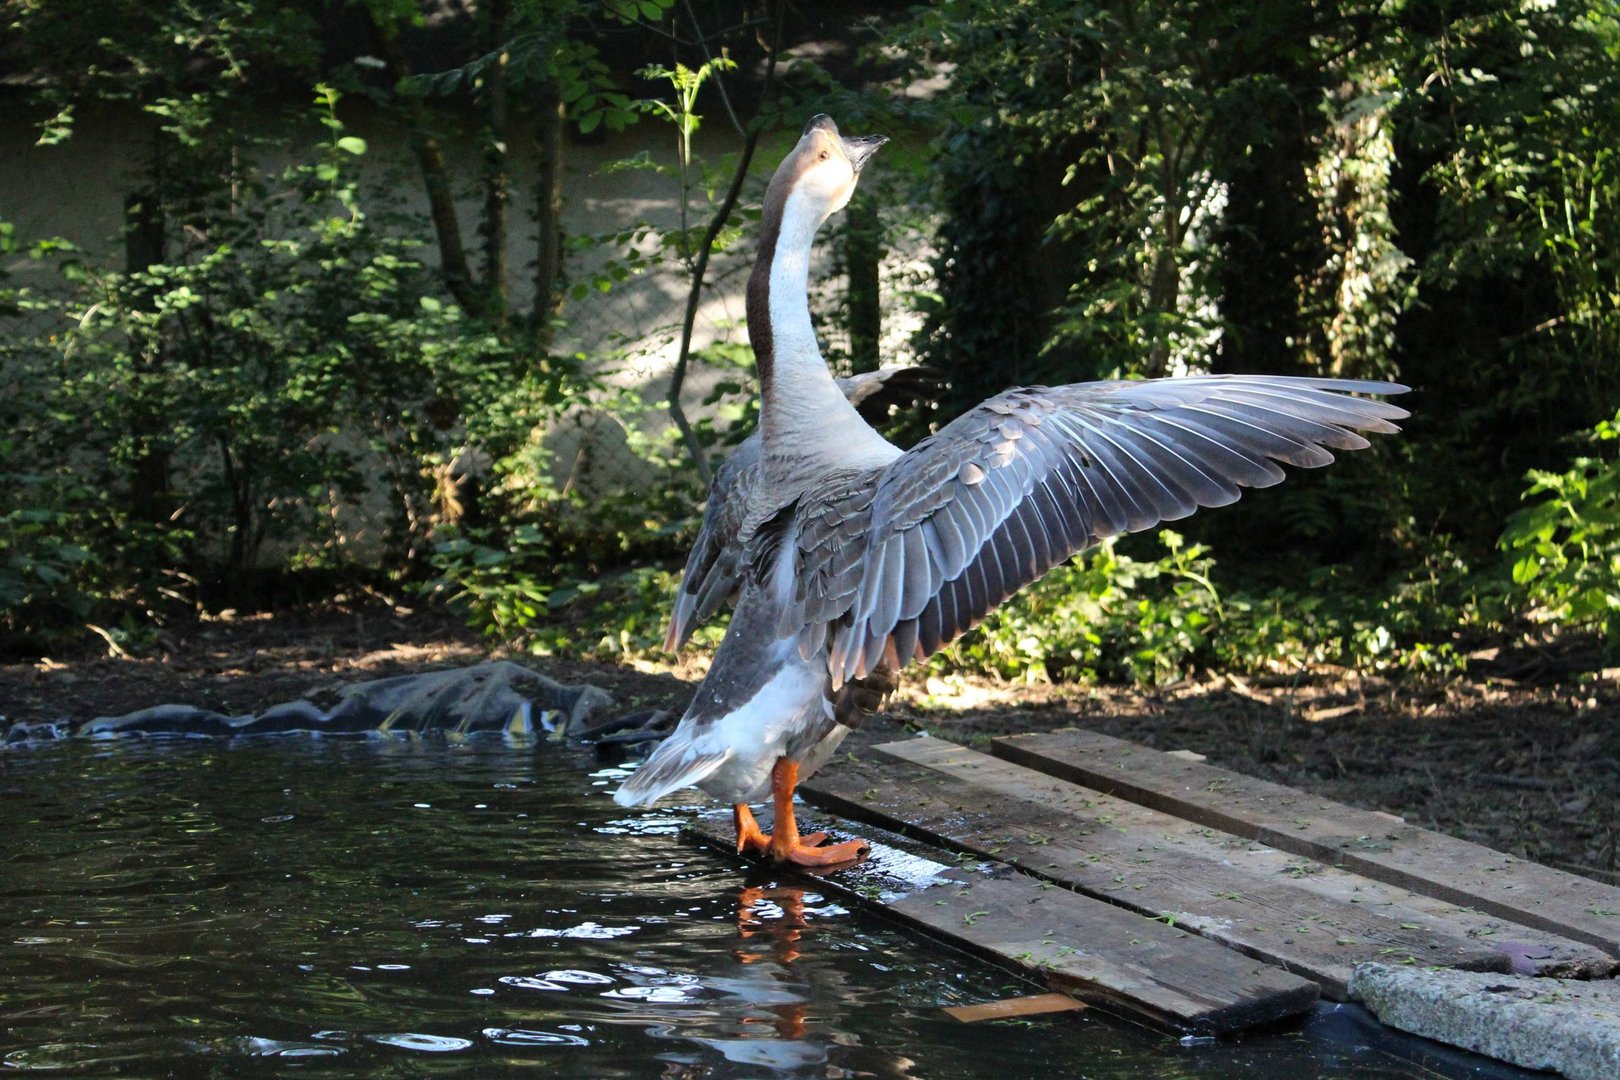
(809, 849)
(784, 844)
(750, 838)
(822, 855)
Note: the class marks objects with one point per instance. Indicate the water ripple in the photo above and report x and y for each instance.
(527, 1037)
(428, 1044)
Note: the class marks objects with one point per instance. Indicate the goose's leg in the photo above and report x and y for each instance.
(786, 845)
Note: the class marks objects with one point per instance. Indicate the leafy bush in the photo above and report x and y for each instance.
(1102, 617)
(38, 563)
(284, 390)
(1420, 621)
(1566, 544)
(1106, 617)
(516, 594)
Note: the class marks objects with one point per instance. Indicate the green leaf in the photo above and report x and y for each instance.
(352, 144)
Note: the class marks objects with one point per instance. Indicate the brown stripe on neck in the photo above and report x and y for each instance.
(758, 298)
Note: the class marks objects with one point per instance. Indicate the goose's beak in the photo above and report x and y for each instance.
(860, 147)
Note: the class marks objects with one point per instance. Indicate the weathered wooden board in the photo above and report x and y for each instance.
(1093, 951)
(1375, 845)
(1306, 918)
(1011, 1008)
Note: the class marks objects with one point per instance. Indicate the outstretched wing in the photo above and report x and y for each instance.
(900, 562)
(714, 565)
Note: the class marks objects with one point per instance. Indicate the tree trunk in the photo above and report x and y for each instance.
(863, 257)
(1271, 243)
(435, 177)
(239, 488)
(494, 16)
(548, 216)
(151, 501)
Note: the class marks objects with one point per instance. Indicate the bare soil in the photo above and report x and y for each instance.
(1522, 754)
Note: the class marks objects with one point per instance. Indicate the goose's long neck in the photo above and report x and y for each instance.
(803, 414)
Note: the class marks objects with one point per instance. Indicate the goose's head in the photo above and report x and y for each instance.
(819, 175)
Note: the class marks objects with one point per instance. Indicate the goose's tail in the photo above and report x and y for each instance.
(676, 764)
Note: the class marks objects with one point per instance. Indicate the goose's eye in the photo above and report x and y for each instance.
(822, 156)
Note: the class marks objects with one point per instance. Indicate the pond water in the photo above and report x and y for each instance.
(413, 908)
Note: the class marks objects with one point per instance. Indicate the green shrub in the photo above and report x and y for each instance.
(1102, 617)
(1566, 544)
(516, 593)
(1107, 617)
(286, 390)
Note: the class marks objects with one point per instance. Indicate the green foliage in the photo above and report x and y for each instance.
(1102, 617)
(513, 594)
(543, 48)
(1507, 121)
(1566, 544)
(39, 564)
(497, 586)
(685, 82)
(283, 391)
(1108, 617)
(1423, 620)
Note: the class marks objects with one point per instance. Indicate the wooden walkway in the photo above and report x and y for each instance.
(1194, 896)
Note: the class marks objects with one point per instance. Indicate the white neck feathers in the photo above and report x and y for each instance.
(803, 413)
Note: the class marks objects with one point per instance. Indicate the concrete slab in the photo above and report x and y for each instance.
(1561, 1025)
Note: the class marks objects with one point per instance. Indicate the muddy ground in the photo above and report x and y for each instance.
(1522, 754)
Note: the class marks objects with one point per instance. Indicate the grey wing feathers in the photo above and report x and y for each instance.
(713, 567)
(1014, 487)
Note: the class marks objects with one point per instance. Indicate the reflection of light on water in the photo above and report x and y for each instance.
(556, 980)
(591, 930)
(573, 975)
(650, 824)
(527, 1037)
(415, 1040)
(657, 995)
(279, 1048)
(529, 982)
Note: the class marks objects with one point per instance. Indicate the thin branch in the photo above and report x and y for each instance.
(659, 31)
(721, 216)
(719, 78)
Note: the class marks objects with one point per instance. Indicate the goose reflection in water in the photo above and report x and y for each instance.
(776, 995)
(775, 915)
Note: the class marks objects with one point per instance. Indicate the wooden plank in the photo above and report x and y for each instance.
(1072, 944)
(1308, 919)
(1376, 845)
(1012, 1008)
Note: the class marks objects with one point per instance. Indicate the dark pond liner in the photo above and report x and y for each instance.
(498, 697)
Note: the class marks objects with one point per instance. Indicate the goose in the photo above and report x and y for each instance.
(855, 558)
